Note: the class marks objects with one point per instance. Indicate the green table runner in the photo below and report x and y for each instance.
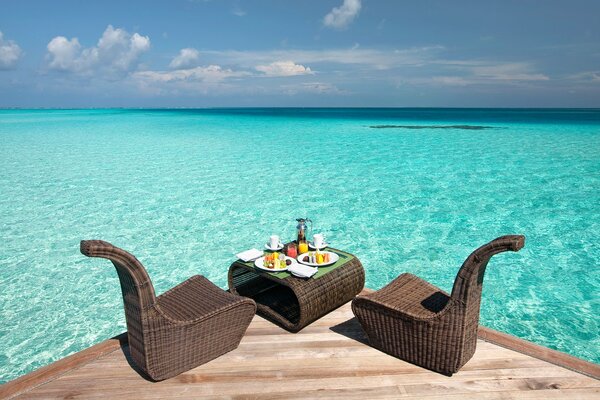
(344, 258)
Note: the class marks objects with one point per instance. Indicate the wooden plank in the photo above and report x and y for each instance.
(310, 377)
(62, 366)
(281, 386)
(537, 351)
(328, 359)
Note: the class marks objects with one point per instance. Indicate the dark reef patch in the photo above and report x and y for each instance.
(467, 127)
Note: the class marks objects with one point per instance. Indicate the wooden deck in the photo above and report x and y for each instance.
(328, 359)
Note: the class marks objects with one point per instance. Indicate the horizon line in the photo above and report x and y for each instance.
(299, 107)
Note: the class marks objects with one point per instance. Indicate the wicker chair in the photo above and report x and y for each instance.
(417, 322)
(187, 326)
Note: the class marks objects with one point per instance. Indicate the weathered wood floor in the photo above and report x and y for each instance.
(328, 359)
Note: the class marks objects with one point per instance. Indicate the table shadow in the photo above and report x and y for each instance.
(351, 329)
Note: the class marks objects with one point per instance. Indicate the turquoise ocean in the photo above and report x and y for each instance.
(184, 190)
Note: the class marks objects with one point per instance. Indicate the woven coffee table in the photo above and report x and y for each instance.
(292, 302)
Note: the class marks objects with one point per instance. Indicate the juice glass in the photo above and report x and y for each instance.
(302, 247)
(292, 250)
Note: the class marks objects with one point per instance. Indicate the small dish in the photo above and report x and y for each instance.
(279, 247)
(312, 246)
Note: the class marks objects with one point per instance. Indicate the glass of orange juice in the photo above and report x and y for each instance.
(302, 247)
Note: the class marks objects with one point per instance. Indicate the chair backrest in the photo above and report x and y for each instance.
(469, 280)
(137, 289)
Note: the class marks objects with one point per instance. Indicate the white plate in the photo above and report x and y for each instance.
(260, 265)
(333, 257)
(312, 246)
(268, 247)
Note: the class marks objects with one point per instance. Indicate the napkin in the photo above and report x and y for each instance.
(248, 255)
(301, 270)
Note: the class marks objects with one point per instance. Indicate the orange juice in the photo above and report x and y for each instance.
(302, 247)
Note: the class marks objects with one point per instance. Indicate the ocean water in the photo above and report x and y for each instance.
(184, 190)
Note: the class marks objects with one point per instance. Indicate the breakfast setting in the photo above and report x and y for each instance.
(301, 258)
(295, 282)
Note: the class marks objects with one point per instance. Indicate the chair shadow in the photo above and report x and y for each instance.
(125, 349)
(351, 329)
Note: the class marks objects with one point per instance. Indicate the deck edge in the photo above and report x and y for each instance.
(526, 347)
(52, 371)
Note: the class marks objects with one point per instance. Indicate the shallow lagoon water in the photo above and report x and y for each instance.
(184, 190)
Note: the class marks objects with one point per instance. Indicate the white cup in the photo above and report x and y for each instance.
(318, 240)
(274, 241)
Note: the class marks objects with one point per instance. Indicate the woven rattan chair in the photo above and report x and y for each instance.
(187, 326)
(417, 322)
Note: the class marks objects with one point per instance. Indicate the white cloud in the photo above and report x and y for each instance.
(586, 76)
(374, 58)
(450, 80)
(116, 51)
(230, 71)
(187, 58)
(477, 72)
(237, 11)
(65, 54)
(284, 68)
(209, 80)
(508, 72)
(211, 73)
(340, 17)
(312, 87)
(10, 53)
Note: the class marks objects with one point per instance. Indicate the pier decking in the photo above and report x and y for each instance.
(328, 359)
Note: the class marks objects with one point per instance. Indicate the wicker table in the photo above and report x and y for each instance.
(291, 302)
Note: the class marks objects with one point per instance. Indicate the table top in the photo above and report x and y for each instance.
(344, 259)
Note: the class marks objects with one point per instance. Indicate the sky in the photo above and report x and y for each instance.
(313, 53)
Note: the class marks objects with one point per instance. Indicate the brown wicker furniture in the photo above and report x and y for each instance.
(417, 322)
(291, 302)
(188, 325)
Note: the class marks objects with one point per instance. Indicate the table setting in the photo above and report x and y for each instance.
(296, 282)
(301, 258)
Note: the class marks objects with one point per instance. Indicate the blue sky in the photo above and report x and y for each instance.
(226, 53)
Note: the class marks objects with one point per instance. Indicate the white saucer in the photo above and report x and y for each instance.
(312, 246)
(274, 249)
